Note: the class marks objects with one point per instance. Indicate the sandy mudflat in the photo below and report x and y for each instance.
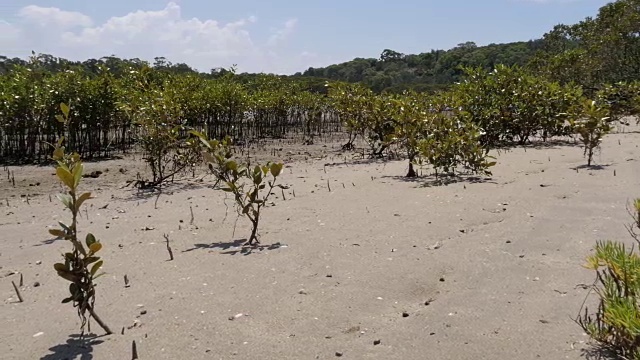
(344, 264)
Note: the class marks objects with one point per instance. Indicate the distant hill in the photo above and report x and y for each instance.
(433, 70)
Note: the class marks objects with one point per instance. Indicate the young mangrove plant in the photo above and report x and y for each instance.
(592, 126)
(249, 186)
(616, 322)
(81, 264)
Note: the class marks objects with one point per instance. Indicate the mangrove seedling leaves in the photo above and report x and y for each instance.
(91, 260)
(276, 169)
(95, 247)
(66, 200)
(65, 109)
(60, 267)
(82, 198)
(77, 174)
(96, 267)
(90, 240)
(65, 176)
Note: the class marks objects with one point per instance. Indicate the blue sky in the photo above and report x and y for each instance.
(272, 36)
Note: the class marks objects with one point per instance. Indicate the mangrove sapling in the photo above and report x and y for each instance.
(615, 322)
(592, 128)
(81, 265)
(236, 178)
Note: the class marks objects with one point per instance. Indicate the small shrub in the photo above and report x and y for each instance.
(616, 323)
(592, 127)
(246, 184)
(81, 265)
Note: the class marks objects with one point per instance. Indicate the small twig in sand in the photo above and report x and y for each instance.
(134, 351)
(21, 280)
(166, 237)
(155, 205)
(86, 213)
(234, 226)
(192, 219)
(49, 197)
(15, 287)
(284, 198)
(328, 185)
(126, 281)
(28, 200)
(294, 192)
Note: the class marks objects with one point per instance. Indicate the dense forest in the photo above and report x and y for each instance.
(597, 50)
(433, 70)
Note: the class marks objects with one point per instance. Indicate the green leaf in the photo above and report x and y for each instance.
(58, 154)
(82, 198)
(65, 109)
(96, 267)
(65, 227)
(69, 299)
(65, 176)
(231, 165)
(57, 233)
(60, 118)
(66, 200)
(276, 169)
(90, 240)
(60, 267)
(95, 247)
(77, 174)
(91, 260)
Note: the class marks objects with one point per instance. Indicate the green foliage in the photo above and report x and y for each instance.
(592, 125)
(81, 265)
(510, 105)
(157, 104)
(431, 71)
(427, 129)
(621, 99)
(616, 323)
(250, 186)
(595, 51)
(119, 104)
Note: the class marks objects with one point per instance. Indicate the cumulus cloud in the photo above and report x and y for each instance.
(145, 34)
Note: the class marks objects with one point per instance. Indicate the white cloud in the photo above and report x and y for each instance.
(282, 34)
(50, 16)
(145, 34)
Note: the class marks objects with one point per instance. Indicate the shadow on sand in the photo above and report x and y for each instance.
(443, 180)
(597, 352)
(234, 247)
(591, 167)
(76, 348)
